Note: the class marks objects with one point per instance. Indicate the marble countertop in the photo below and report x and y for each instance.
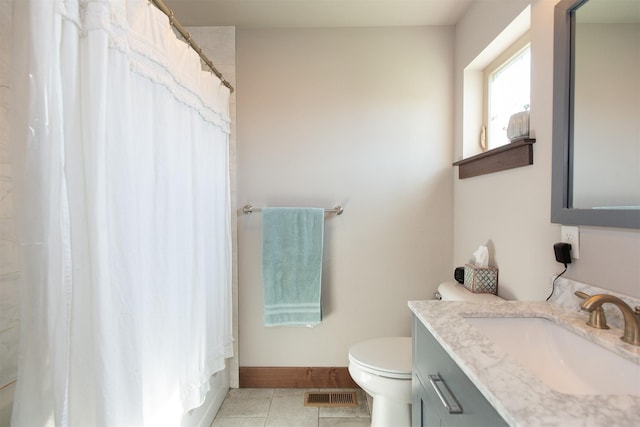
(517, 395)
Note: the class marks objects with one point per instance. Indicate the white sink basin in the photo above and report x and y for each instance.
(564, 361)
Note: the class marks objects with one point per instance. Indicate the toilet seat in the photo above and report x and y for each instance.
(453, 291)
(386, 357)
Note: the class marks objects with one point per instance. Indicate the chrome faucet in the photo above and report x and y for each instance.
(631, 317)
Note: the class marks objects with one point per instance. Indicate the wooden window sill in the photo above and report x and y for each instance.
(514, 155)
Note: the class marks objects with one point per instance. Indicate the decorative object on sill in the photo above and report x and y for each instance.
(483, 138)
(518, 125)
(518, 153)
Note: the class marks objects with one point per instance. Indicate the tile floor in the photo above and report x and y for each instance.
(268, 407)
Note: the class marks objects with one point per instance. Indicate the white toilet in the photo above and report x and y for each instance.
(382, 366)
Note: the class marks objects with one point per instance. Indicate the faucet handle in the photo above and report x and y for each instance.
(581, 295)
(597, 318)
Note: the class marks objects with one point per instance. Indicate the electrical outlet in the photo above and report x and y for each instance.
(571, 235)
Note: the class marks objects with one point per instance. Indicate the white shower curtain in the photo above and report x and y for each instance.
(126, 291)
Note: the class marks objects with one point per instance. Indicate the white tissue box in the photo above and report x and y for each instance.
(481, 280)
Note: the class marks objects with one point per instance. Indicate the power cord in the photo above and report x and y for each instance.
(562, 252)
(553, 285)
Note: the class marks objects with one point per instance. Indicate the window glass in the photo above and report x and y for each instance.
(508, 92)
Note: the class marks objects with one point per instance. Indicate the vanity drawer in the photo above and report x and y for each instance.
(438, 377)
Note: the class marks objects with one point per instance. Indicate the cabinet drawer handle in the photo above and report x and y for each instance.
(445, 394)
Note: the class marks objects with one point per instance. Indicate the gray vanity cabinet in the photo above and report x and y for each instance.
(438, 381)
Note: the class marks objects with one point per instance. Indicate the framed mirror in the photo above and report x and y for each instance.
(596, 113)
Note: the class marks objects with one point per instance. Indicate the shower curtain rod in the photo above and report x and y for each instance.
(247, 209)
(185, 34)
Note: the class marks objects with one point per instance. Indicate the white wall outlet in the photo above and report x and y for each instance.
(571, 234)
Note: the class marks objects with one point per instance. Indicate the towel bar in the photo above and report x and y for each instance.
(247, 209)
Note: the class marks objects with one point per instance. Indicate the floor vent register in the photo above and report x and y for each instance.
(330, 399)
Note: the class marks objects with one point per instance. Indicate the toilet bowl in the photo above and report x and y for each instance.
(382, 367)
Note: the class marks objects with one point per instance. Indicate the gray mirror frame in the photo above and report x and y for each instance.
(562, 159)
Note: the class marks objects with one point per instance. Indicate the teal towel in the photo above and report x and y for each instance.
(292, 241)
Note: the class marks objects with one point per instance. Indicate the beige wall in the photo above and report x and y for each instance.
(511, 209)
(360, 117)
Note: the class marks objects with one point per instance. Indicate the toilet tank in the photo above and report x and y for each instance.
(453, 291)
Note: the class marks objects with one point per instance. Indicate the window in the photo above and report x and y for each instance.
(507, 91)
(502, 68)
